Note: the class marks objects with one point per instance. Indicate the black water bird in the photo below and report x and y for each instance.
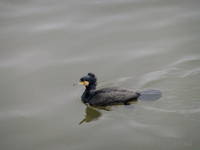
(105, 96)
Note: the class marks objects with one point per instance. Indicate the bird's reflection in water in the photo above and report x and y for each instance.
(91, 114)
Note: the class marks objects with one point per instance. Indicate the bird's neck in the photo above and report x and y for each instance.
(88, 93)
(91, 87)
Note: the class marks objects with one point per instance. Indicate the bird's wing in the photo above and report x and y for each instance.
(108, 96)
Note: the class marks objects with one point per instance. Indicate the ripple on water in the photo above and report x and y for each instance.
(155, 76)
(181, 68)
(177, 111)
(187, 59)
(192, 72)
(155, 129)
(189, 66)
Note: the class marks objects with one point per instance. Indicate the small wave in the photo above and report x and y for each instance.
(191, 72)
(153, 76)
(48, 27)
(155, 129)
(171, 70)
(185, 60)
(180, 111)
(156, 76)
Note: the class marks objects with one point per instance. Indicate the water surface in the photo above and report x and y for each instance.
(46, 46)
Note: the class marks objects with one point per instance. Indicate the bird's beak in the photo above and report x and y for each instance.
(85, 83)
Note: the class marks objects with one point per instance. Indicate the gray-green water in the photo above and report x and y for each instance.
(46, 46)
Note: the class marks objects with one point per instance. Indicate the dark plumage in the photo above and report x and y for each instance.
(105, 96)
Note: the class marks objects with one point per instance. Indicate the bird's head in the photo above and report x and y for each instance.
(89, 80)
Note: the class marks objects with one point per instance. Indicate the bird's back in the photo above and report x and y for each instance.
(110, 96)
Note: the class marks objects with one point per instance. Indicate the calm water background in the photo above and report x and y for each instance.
(46, 46)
